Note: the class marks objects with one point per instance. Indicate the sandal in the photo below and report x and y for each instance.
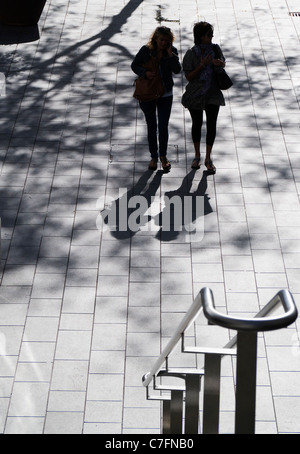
(196, 163)
(153, 164)
(209, 165)
(165, 163)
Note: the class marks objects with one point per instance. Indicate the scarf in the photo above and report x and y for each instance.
(202, 51)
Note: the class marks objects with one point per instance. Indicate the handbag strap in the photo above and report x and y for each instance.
(216, 51)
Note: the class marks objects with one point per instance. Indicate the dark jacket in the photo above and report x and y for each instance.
(168, 65)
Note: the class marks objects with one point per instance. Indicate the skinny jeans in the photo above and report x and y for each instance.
(157, 114)
(212, 112)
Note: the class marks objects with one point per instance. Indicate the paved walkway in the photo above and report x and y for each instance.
(84, 313)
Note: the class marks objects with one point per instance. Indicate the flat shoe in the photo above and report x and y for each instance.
(209, 165)
(196, 163)
(165, 163)
(153, 164)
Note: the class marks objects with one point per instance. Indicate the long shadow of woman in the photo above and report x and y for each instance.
(127, 214)
(184, 211)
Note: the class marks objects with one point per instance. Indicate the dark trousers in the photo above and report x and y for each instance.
(157, 114)
(212, 113)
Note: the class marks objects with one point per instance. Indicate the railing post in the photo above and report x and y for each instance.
(211, 399)
(246, 382)
(176, 412)
(166, 422)
(192, 396)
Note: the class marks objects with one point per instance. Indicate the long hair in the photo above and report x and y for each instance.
(202, 29)
(165, 31)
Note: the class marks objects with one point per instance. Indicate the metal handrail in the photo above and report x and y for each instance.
(259, 322)
(205, 302)
(187, 321)
(185, 399)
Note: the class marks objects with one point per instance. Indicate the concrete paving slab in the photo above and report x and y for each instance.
(84, 311)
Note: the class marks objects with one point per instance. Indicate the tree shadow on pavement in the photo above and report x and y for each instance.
(53, 116)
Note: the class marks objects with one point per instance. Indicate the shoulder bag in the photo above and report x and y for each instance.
(149, 89)
(222, 77)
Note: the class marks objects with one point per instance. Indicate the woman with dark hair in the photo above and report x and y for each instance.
(202, 92)
(157, 112)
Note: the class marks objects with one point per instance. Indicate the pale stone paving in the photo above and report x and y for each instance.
(84, 313)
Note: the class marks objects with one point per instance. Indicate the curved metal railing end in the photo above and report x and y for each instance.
(205, 301)
(260, 322)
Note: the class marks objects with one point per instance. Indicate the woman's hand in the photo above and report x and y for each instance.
(203, 63)
(170, 50)
(206, 61)
(218, 62)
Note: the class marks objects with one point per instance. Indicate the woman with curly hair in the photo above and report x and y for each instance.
(157, 111)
